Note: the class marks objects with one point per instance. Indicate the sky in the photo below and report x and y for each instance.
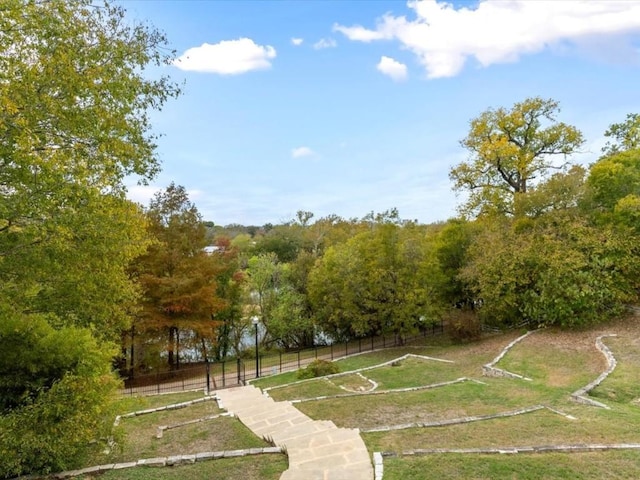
(344, 108)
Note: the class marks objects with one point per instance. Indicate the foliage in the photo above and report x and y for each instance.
(510, 150)
(79, 270)
(463, 325)
(179, 279)
(55, 393)
(556, 270)
(614, 189)
(318, 368)
(377, 282)
(624, 136)
(264, 283)
(75, 106)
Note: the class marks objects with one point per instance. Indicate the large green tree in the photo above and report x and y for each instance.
(75, 102)
(511, 151)
(377, 282)
(557, 269)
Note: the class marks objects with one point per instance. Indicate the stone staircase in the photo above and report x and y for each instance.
(317, 450)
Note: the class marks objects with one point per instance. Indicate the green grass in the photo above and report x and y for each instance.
(267, 467)
(558, 362)
(413, 372)
(623, 385)
(136, 436)
(128, 404)
(575, 466)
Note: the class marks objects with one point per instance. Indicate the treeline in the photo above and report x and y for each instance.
(538, 241)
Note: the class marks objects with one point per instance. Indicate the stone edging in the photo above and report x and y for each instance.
(580, 448)
(162, 428)
(166, 461)
(580, 395)
(358, 370)
(455, 421)
(378, 467)
(174, 406)
(490, 370)
(384, 392)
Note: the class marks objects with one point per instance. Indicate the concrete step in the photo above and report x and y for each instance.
(316, 449)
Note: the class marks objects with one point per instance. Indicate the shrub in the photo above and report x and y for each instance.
(318, 368)
(464, 326)
(55, 395)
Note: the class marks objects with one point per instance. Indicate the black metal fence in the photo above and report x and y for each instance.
(229, 373)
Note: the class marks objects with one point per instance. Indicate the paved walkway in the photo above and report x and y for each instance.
(317, 450)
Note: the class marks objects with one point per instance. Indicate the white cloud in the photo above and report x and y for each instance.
(297, 41)
(228, 57)
(302, 152)
(325, 43)
(497, 31)
(394, 69)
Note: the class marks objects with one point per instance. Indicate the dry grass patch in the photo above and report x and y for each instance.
(557, 359)
(352, 383)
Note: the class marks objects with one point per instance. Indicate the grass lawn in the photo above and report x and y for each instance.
(558, 362)
(575, 466)
(262, 467)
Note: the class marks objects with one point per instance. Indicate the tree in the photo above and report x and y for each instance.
(377, 282)
(624, 136)
(55, 390)
(74, 123)
(557, 269)
(264, 284)
(512, 150)
(612, 179)
(179, 279)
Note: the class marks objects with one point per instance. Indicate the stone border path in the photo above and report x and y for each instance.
(317, 450)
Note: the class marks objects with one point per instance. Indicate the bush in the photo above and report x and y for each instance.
(318, 368)
(56, 389)
(464, 326)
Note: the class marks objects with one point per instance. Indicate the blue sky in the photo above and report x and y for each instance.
(347, 107)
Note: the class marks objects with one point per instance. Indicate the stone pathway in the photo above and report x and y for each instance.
(317, 450)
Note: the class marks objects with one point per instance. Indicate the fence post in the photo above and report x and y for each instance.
(359, 345)
(372, 347)
(280, 353)
(238, 370)
(332, 352)
(298, 358)
(224, 375)
(384, 345)
(346, 348)
(315, 348)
